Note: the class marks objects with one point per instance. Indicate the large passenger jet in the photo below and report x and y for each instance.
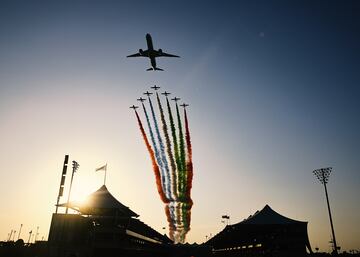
(151, 53)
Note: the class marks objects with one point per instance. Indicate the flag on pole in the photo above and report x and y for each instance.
(104, 167)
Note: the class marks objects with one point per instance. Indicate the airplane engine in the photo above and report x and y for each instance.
(160, 50)
(141, 51)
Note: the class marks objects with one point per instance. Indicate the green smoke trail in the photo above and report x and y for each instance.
(176, 146)
(185, 219)
(168, 150)
(186, 202)
(182, 170)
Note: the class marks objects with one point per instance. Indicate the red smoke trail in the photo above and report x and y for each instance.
(188, 214)
(189, 164)
(152, 156)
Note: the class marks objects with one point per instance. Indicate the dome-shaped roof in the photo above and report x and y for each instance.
(268, 216)
(101, 202)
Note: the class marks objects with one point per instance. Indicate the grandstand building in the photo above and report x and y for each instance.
(266, 233)
(103, 227)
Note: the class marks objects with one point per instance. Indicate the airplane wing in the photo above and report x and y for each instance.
(134, 55)
(162, 54)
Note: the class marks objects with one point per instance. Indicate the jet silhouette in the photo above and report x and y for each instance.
(141, 99)
(165, 93)
(151, 53)
(148, 93)
(155, 87)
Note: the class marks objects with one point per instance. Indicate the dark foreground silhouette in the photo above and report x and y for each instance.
(40, 249)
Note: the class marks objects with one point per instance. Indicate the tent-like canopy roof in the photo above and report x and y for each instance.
(268, 216)
(101, 202)
(259, 226)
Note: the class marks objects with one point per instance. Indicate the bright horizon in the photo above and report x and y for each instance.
(273, 90)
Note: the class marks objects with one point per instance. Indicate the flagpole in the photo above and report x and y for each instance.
(104, 168)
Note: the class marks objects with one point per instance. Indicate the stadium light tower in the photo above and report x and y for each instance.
(323, 175)
(75, 166)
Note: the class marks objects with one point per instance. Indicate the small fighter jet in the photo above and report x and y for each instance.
(175, 99)
(141, 99)
(166, 93)
(148, 93)
(155, 87)
(151, 53)
(184, 105)
(134, 107)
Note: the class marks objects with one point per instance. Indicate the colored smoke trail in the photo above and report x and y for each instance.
(176, 147)
(168, 148)
(174, 207)
(162, 152)
(152, 156)
(189, 164)
(170, 221)
(186, 202)
(189, 170)
(178, 223)
(181, 230)
(172, 164)
(184, 222)
(157, 155)
(181, 169)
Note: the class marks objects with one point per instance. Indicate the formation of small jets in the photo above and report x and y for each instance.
(148, 94)
(151, 53)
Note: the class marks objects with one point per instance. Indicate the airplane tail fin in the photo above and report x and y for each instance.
(154, 69)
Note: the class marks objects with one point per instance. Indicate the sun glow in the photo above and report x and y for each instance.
(83, 186)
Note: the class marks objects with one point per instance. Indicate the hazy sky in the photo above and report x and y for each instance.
(273, 89)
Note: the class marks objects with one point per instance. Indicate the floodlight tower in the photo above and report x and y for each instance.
(75, 167)
(323, 175)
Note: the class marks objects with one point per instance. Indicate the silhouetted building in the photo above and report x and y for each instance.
(266, 233)
(103, 227)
